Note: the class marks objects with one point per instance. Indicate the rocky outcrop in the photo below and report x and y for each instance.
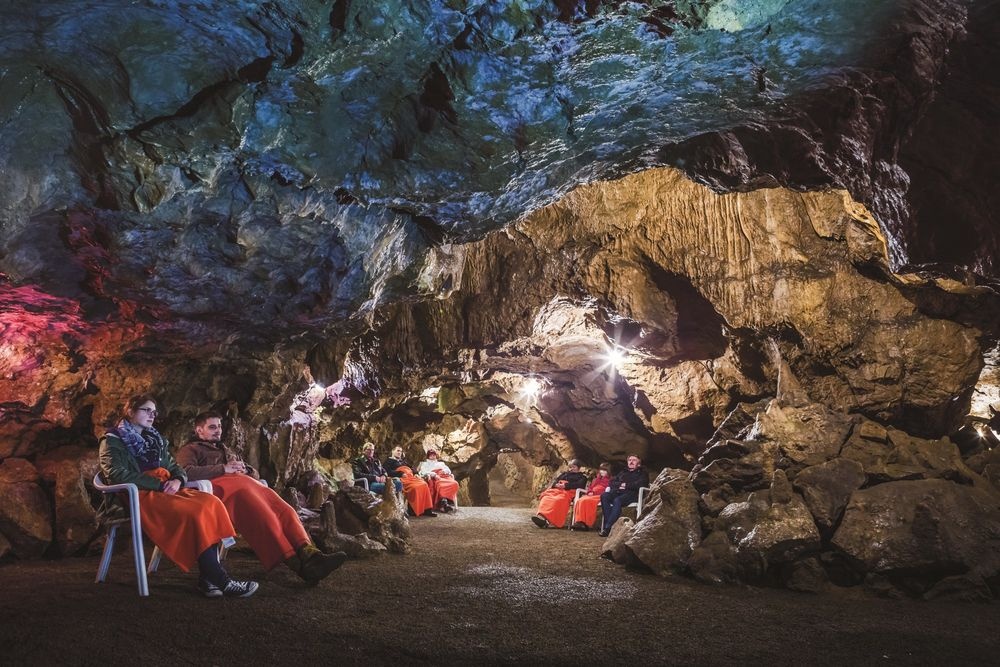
(69, 471)
(770, 527)
(25, 512)
(664, 539)
(827, 487)
(929, 527)
(900, 514)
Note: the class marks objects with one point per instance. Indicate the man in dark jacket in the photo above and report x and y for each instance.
(268, 523)
(368, 467)
(622, 492)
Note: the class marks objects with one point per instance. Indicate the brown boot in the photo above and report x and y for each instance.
(294, 564)
(316, 565)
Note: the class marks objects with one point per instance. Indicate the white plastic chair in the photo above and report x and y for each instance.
(572, 508)
(135, 519)
(637, 505)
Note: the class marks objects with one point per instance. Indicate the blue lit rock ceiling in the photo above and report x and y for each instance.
(236, 162)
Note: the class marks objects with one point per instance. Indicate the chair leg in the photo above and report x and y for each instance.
(154, 560)
(140, 559)
(109, 546)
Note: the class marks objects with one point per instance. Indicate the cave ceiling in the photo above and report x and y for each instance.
(215, 181)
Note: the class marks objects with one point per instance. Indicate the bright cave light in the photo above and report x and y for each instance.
(531, 388)
(616, 356)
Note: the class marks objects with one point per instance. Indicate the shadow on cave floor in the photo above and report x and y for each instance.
(480, 585)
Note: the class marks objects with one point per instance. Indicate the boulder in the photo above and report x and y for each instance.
(388, 523)
(938, 458)
(25, 512)
(807, 435)
(827, 487)
(737, 474)
(663, 540)
(69, 469)
(806, 575)
(727, 449)
(770, 527)
(715, 501)
(991, 473)
(931, 528)
(900, 456)
(961, 588)
(737, 423)
(18, 471)
(614, 547)
(653, 497)
(330, 539)
(713, 561)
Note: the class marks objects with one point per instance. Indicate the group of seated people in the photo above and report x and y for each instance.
(189, 525)
(428, 488)
(612, 493)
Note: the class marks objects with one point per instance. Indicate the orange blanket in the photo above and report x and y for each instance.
(554, 504)
(417, 493)
(184, 524)
(444, 486)
(269, 525)
(585, 510)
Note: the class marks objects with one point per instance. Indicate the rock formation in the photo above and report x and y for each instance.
(754, 243)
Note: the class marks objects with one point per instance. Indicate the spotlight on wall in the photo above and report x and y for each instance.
(616, 356)
(531, 388)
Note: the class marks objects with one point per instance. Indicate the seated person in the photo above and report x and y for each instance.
(554, 502)
(623, 491)
(585, 509)
(444, 488)
(186, 524)
(370, 468)
(418, 494)
(269, 524)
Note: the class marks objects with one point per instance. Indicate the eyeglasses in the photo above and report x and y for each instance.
(149, 411)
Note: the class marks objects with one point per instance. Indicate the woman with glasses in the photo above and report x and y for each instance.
(186, 524)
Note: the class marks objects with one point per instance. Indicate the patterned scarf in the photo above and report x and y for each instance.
(138, 446)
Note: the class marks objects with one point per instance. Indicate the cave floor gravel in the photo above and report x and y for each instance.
(483, 586)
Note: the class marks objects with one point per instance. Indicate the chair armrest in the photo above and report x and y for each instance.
(202, 485)
(361, 481)
(128, 487)
(579, 494)
(112, 488)
(642, 500)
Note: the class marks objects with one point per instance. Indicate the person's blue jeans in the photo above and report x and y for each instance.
(612, 504)
(379, 487)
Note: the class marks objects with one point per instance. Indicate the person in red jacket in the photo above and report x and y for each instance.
(585, 509)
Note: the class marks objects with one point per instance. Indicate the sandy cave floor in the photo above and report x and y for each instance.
(480, 586)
